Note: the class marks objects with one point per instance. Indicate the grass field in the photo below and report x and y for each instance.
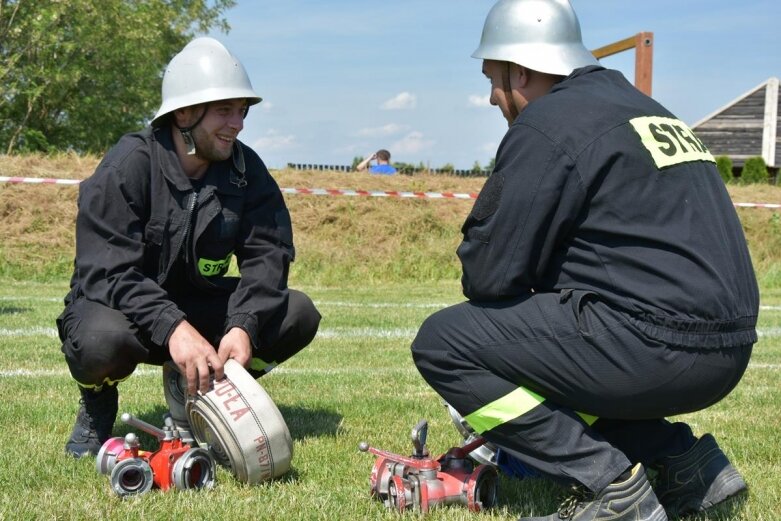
(355, 382)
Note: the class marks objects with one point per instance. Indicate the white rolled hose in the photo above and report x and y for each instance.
(237, 421)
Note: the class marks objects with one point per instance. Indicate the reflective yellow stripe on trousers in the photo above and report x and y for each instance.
(509, 407)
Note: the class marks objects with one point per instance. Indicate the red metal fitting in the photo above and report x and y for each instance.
(174, 464)
(420, 482)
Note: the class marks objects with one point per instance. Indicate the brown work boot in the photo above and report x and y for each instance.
(630, 500)
(94, 421)
(698, 479)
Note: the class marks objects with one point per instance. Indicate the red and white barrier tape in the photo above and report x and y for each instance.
(38, 180)
(378, 193)
(757, 205)
(305, 191)
(336, 191)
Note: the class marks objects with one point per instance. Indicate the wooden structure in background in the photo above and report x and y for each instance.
(643, 44)
(746, 127)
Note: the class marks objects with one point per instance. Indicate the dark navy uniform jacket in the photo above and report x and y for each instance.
(145, 236)
(598, 187)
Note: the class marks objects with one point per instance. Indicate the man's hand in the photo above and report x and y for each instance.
(235, 344)
(194, 356)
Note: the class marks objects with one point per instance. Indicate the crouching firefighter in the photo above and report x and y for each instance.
(158, 225)
(608, 278)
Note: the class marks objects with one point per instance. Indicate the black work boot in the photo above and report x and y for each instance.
(94, 421)
(629, 500)
(698, 479)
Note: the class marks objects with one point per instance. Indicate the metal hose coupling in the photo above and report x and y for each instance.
(485, 453)
(237, 421)
(133, 471)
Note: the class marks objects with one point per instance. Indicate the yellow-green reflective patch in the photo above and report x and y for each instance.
(214, 268)
(506, 408)
(509, 407)
(258, 364)
(106, 381)
(670, 141)
(589, 419)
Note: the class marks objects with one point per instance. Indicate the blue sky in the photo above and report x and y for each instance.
(342, 78)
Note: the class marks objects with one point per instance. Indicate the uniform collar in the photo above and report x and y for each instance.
(169, 161)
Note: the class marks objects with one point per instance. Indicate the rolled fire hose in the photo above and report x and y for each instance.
(236, 420)
(175, 389)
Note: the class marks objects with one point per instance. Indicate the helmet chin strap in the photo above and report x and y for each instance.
(508, 92)
(187, 135)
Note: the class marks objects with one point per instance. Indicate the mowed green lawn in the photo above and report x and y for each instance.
(355, 382)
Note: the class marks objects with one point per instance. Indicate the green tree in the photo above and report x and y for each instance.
(491, 165)
(356, 161)
(724, 165)
(477, 169)
(754, 171)
(79, 74)
(447, 168)
(404, 168)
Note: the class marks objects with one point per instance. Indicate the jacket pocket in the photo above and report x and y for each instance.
(156, 246)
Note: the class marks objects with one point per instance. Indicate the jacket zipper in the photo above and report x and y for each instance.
(188, 228)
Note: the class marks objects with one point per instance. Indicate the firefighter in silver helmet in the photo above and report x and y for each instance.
(159, 223)
(608, 280)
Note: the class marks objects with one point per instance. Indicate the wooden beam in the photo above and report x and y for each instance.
(614, 48)
(643, 44)
(644, 61)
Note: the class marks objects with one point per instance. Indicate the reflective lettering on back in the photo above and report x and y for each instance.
(670, 141)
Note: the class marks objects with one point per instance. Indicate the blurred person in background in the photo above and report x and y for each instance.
(383, 166)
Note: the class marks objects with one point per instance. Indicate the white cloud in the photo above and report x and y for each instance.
(265, 105)
(403, 100)
(385, 130)
(489, 148)
(412, 143)
(350, 149)
(480, 101)
(273, 140)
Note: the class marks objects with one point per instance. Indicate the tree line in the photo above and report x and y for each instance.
(79, 74)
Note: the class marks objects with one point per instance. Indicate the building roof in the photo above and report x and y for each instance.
(746, 127)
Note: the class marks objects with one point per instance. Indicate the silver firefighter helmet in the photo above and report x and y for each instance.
(543, 35)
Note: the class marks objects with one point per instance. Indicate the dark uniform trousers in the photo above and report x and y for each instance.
(532, 374)
(102, 346)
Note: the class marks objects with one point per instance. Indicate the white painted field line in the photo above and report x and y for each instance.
(29, 331)
(8, 298)
(770, 332)
(367, 332)
(334, 303)
(150, 371)
(154, 372)
(376, 305)
(326, 333)
(337, 332)
(325, 303)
